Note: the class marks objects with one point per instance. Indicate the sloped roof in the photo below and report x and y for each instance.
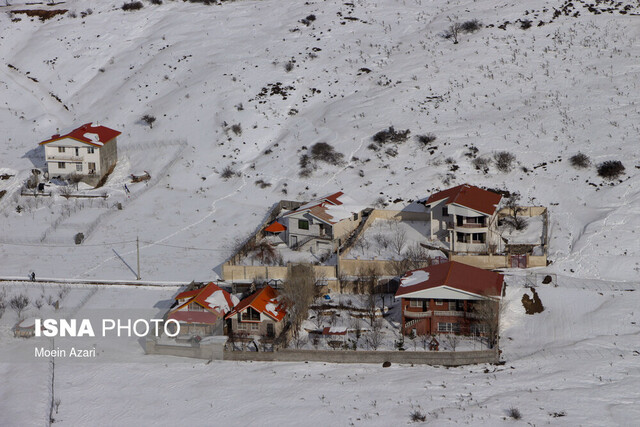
(275, 227)
(453, 275)
(92, 135)
(211, 298)
(468, 196)
(263, 301)
(331, 208)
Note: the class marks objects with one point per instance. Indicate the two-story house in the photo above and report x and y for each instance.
(450, 298)
(201, 311)
(465, 217)
(89, 151)
(320, 225)
(261, 313)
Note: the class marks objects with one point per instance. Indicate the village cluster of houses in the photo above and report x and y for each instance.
(442, 298)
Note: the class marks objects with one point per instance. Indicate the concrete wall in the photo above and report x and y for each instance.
(211, 348)
(491, 262)
(525, 211)
(444, 358)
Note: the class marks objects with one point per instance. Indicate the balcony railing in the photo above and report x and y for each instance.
(65, 157)
(443, 313)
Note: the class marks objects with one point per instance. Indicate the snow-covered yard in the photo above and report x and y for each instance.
(390, 239)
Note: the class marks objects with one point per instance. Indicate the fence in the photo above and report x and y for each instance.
(214, 350)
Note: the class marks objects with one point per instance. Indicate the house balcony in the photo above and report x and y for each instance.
(65, 158)
(468, 227)
(440, 313)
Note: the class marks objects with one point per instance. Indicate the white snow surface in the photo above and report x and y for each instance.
(218, 301)
(417, 276)
(542, 94)
(530, 235)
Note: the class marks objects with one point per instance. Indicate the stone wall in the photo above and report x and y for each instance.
(443, 358)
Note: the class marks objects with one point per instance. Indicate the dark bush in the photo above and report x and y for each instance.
(579, 161)
(325, 152)
(426, 139)
(504, 161)
(514, 413)
(525, 24)
(417, 417)
(262, 183)
(391, 135)
(470, 26)
(78, 238)
(134, 5)
(156, 1)
(237, 129)
(288, 66)
(481, 164)
(147, 118)
(227, 172)
(611, 169)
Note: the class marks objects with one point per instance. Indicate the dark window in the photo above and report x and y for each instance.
(90, 150)
(61, 165)
(445, 211)
(459, 219)
(60, 149)
(463, 237)
(250, 314)
(303, 224)
(478, 237)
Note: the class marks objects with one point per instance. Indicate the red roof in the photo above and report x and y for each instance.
(212, 298)
(263, 301)
(468, 196)
(454, 275)
(93, 135)
(275, 227)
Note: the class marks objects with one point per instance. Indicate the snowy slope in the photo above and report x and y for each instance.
(543, 94)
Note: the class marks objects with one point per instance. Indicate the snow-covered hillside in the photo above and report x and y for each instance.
(543, 94)
(250, 86)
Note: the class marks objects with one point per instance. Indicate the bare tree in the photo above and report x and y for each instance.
(319, 319)
(299, 291)
(371, 278)
(149, 120)
(18, 303)
(512, 203)
(452, 340)
(417, 257)
(399, 240)
(74, 178)
(454, 31)
(374, 337)
(488, 312)
(266, 252)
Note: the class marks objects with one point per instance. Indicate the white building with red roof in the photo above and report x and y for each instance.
(321, 224)
(90, 151)
(201, 312)
(449, 298)
(261, 313)
(465, 217)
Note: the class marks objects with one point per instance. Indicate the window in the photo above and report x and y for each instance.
(60, 149)
(445, 211)
(195, 307)
(303, 224)
(92, 167)
(478, 328)
(463, 237)
(452, 306)
(415, 303)
(478, 237)
(78, 167)
(255, 327)
(250, 314)
(77, 151)
(61, 165)
(90, 150)
(448, 327)
(439, 302)
(243, 326)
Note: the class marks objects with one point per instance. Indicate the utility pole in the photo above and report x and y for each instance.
(138, 251)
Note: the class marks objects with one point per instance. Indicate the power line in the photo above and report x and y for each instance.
(186, 247)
